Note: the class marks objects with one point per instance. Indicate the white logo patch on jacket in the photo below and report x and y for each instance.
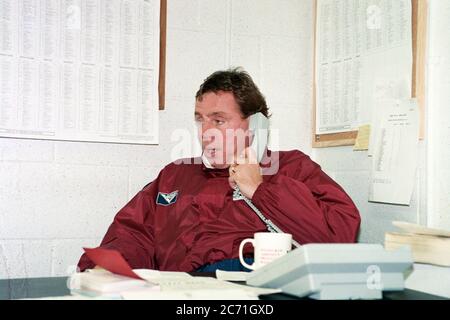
(166, 199)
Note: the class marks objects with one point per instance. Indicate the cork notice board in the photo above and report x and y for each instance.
(419, 30)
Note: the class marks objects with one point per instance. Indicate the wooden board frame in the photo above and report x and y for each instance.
(419, 34)
(162, 54)
(419, 49)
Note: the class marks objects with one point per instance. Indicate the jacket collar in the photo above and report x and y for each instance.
(217, 173)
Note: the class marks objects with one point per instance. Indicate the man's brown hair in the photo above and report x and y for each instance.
(239, 82)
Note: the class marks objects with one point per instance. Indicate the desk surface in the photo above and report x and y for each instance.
(57, 286)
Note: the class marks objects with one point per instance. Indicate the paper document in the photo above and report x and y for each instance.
(156, 275)
(231, 275)
(357, 41)
(162, 284)
(80, 70)
(362, 139)
(199, 288)
(385, 88)
(394, 163)
(102, 283)
(204, 294)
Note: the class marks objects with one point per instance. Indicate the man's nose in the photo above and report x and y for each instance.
(207, 134)
(207, 125)
(211, 134)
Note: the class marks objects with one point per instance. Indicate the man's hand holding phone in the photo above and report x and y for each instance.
(245, 172)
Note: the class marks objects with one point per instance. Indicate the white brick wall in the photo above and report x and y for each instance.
(439, 114)
(56, 197)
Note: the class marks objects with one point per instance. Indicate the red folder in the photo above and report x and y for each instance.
(111, 260)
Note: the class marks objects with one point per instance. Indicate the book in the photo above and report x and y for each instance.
(418, 229)
(428, 245)
(101, 281)
(114, 276)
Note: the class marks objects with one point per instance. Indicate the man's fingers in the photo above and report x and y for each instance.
(251, 155)
(231, 178)
(240, 159)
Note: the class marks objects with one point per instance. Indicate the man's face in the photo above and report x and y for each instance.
(221, 127)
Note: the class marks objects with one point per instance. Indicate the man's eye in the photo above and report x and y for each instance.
(219, 122)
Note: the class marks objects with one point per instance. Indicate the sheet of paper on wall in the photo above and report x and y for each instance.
(358, 41)
(394, 162)
(80, 70)
(362, 139)
(383, 92)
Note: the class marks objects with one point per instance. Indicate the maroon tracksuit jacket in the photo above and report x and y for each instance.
(186, 218)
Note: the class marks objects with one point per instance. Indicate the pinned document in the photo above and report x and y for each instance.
(394, 163)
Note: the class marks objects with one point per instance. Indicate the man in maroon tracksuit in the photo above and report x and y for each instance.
(187, 219)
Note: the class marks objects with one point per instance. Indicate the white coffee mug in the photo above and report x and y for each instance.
(268, 246)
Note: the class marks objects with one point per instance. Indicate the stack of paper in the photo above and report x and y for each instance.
(428, 245)
(99, 282)
(122, 282)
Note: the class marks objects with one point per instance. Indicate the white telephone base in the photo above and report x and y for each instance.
(336, 271)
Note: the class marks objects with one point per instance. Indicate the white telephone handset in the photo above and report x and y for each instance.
(259, 127)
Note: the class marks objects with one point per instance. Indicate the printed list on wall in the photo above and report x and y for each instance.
(359, 43)
(81, 70)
